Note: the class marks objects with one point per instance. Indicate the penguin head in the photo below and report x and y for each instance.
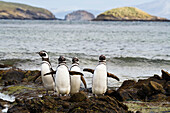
(102, 58)
(61, 59)
(43, 54)
(75, 60)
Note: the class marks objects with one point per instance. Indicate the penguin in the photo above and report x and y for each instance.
(62, 77)
(76, 79)
(100, 74)
(48, 81)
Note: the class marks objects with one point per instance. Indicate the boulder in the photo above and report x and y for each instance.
(165, 75)
(127, 84)
(13, 75)
(156, 87)
(144, 92)
(167, 88)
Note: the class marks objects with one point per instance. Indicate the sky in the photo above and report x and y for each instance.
(61, 5)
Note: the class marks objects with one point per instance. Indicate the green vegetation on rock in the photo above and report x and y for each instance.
(126, 13)
(17, 89)
(10, 10)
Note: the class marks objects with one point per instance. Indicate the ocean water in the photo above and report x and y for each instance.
(134, 50)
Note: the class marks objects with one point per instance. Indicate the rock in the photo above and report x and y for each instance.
(78, 97)
(3, 66)
(115, 94)
(157, 98)
(156, 87)
(54, 104)
(144, 92)
(79, 15)
(127, 84)
(127, 14)
(141, 90)
(20, 11)
(13, 75)
(165, 75)
(167, 88)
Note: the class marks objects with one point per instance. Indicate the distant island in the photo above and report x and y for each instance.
(79, 15)
(127, 14)
(10, 10)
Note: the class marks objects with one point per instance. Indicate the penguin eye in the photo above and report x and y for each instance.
(43, 54)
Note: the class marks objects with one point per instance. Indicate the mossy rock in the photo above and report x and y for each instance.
(16, 89)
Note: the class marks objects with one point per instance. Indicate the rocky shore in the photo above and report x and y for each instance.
(26, 86)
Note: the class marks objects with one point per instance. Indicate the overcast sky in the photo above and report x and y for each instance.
(60, 5)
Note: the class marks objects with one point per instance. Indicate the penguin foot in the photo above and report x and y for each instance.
(47, 93)
(55, 93)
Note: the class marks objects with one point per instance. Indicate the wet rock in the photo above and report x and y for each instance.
(10, 82)
(127, 84)
(13, 75)
(165, 75)
(78, 97)
(157, 98)
(156, 87)
(54, 104)
(114, 93)
(3, 65)
(2, 104)
(141, 90)
(144, 92)
(167, 88)
(16, 76)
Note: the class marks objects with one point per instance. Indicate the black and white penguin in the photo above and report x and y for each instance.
(100, 74)
(48, 81)
(76, 79)
(62, 77)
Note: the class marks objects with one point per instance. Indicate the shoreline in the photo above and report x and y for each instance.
(94, 20)
(24, 85)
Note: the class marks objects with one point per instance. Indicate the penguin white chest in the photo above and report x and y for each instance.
(48, 81)
(99, 85)
(62, 79)
(75, 80)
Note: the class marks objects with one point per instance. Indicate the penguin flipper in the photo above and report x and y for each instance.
(75, 73)
(113, 76)
(84, 82)
(89, 70)
(53, 72)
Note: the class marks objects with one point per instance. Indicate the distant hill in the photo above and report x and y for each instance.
(79, 15)
(61, 14)
(10, 10)
(127, 13)
(157, 7)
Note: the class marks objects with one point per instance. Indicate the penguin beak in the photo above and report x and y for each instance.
(38, 53)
